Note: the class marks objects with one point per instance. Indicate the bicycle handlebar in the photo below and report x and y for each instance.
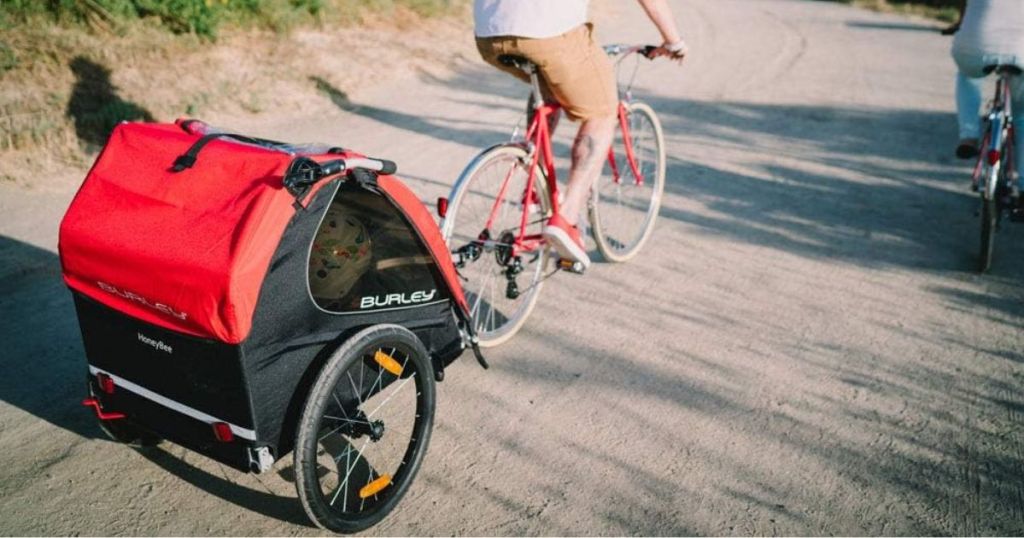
(619, 49)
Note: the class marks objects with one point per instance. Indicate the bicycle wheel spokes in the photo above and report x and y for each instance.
(623, 205)
(501, 273)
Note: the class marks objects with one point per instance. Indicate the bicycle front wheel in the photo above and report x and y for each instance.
(364, 429)
(502, 280)
(625, 200)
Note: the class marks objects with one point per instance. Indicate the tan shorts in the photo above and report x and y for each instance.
(574, 69)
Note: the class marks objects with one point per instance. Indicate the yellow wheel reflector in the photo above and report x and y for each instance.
(374, 487)
(387, 362)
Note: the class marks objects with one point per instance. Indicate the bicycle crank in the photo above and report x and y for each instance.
(470, 252)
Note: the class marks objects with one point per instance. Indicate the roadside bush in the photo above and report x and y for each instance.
(183, 16)
(204, 17)
(929, 3)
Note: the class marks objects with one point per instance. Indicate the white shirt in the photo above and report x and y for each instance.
(990, 29)
(528, 18)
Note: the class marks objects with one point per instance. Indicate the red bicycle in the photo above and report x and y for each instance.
(497, 208)
(993, 174)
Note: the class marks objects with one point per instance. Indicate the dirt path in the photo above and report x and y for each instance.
(802, 348)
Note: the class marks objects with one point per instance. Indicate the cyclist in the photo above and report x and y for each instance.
(575, 72)
(989, 32)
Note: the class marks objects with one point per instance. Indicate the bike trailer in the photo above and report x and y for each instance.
(213, 276)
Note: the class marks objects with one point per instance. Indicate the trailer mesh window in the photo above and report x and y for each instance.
(366, 256)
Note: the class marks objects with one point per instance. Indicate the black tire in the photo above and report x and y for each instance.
(993, 190)
(622, 215)
(989, 221)
(373, 461)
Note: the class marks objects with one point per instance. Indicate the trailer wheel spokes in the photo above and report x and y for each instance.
(365, 428)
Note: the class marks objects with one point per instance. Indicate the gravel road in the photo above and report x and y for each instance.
(802, 348)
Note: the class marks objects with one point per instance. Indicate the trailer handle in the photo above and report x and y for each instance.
(304, 172)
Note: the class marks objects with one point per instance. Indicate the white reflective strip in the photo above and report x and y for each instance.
(169, 403)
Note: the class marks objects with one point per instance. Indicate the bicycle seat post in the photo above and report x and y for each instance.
(530, 68)
(538, 97)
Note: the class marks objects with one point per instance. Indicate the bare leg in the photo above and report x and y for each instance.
(589, 152)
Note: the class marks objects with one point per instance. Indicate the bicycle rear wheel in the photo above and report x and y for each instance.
(623, 210)
(364, 429)
(989, 219)
(995, 187)
(501, 287)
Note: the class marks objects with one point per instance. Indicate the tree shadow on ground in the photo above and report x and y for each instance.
(872, 187)
(893, 26)
(464, 130)
(43, 361)
(45, 370)
(875, 188)
(898, 435)
(95, 106)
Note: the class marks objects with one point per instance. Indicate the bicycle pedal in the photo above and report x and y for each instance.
(571, 266)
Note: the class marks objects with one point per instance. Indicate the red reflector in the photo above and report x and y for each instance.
(442, 207)
(993, 156)
(222, 431)
(106, 383)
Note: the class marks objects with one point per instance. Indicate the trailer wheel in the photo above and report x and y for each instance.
(364, 429)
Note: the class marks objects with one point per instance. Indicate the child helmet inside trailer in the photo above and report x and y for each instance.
(341, 253)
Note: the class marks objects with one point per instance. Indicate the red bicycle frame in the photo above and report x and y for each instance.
(627, 141)
(989, 148)
(539, 134)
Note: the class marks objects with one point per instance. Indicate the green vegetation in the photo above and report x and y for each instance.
(206, 17)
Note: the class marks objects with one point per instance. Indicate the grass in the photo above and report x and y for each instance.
(70, 70)
(207, 17)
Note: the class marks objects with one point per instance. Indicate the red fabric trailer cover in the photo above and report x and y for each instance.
(188, 251)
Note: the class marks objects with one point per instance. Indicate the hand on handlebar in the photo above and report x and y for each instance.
(676, 52)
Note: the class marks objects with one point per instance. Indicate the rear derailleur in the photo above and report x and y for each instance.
(513, 264)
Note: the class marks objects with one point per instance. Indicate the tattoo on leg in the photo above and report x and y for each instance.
(583, 151)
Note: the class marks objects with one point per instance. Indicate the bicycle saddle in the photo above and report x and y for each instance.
(512, 60)
(1009, 69)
